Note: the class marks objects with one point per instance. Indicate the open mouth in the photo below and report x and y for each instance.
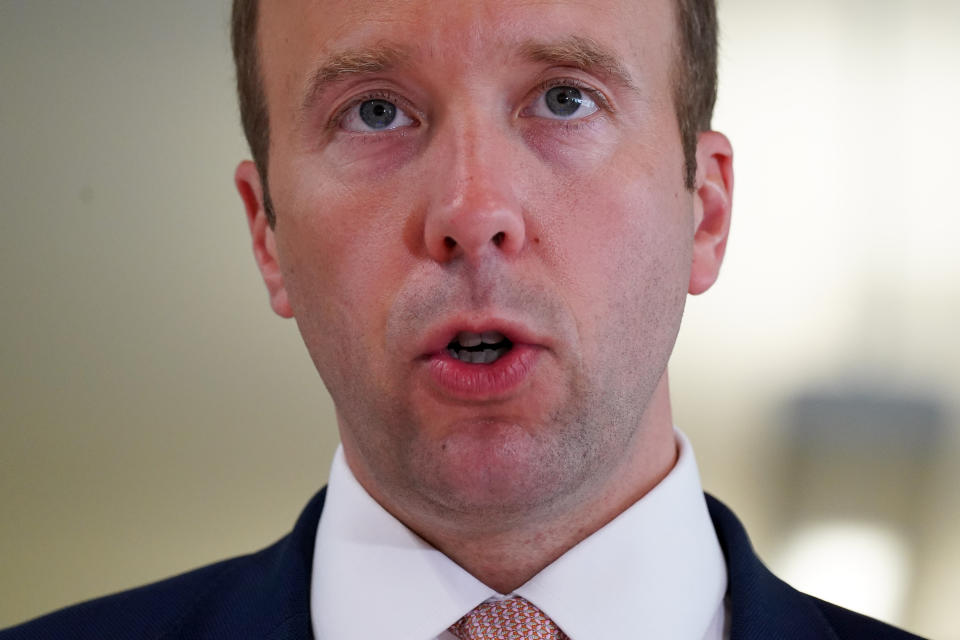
(479, 348)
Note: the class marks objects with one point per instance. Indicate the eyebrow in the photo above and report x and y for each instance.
(571, 51)
(351, 62)
(579, 52)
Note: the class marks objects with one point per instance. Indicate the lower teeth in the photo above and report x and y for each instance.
(485, 356)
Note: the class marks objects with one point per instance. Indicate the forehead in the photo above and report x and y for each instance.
(452, 35)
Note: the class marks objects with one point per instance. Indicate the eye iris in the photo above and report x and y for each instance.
(377, 114)
(564, 101)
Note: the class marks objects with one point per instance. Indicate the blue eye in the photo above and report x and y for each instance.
(563, 103)
(375, 114)
(378, 114)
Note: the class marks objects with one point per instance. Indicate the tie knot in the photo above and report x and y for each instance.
(510, 619)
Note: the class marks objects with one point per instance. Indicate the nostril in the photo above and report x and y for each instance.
(498, 238)
(449, 242)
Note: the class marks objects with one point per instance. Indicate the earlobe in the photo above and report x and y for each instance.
(713, 197)
(250, 188)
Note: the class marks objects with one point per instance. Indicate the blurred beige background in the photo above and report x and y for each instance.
(154, 414)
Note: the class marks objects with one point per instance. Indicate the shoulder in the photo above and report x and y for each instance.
(850, 624)
(260, 595)
(151, 611)
(763, 606)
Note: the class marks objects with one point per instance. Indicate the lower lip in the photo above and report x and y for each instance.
(483, 381)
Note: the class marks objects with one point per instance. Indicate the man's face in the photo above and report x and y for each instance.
(445, 170)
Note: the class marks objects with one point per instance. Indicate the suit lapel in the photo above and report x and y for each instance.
(265, 595)
(287, 603)
(761, 605)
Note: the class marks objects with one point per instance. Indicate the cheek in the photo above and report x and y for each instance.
(624, 251)
(574, 146)
(341, 264)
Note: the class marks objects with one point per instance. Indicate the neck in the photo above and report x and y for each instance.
(506, 560)
(506, 557)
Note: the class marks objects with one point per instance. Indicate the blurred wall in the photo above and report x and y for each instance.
(155, 415)
(841, 279)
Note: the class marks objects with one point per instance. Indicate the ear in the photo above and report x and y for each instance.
(250, 187)
(713, 197)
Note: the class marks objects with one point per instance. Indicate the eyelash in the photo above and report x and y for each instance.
(342, 112)
(598, 97)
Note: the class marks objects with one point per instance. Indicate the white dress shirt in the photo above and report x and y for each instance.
(655, 571)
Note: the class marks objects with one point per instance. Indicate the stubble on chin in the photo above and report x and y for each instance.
(498, 469)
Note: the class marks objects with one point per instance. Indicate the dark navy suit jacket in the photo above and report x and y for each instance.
(267, 595)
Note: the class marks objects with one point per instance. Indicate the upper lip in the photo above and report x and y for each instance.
(438, 336)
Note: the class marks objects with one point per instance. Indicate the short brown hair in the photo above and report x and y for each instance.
(694, 82)
(253, 100)
(695, 76)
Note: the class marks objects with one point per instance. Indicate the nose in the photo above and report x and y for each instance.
(474, 211)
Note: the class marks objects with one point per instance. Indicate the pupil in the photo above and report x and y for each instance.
(377, 114)
(563, 101)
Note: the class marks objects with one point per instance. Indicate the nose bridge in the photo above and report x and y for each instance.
(474, 209)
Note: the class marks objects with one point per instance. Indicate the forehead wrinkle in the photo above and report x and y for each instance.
(352, 62)
(580, 52)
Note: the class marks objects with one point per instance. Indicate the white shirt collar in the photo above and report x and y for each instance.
(655, 571)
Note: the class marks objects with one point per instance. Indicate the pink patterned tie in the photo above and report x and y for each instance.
(511, 619)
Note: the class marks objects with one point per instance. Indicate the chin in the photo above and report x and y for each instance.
(500, 468)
